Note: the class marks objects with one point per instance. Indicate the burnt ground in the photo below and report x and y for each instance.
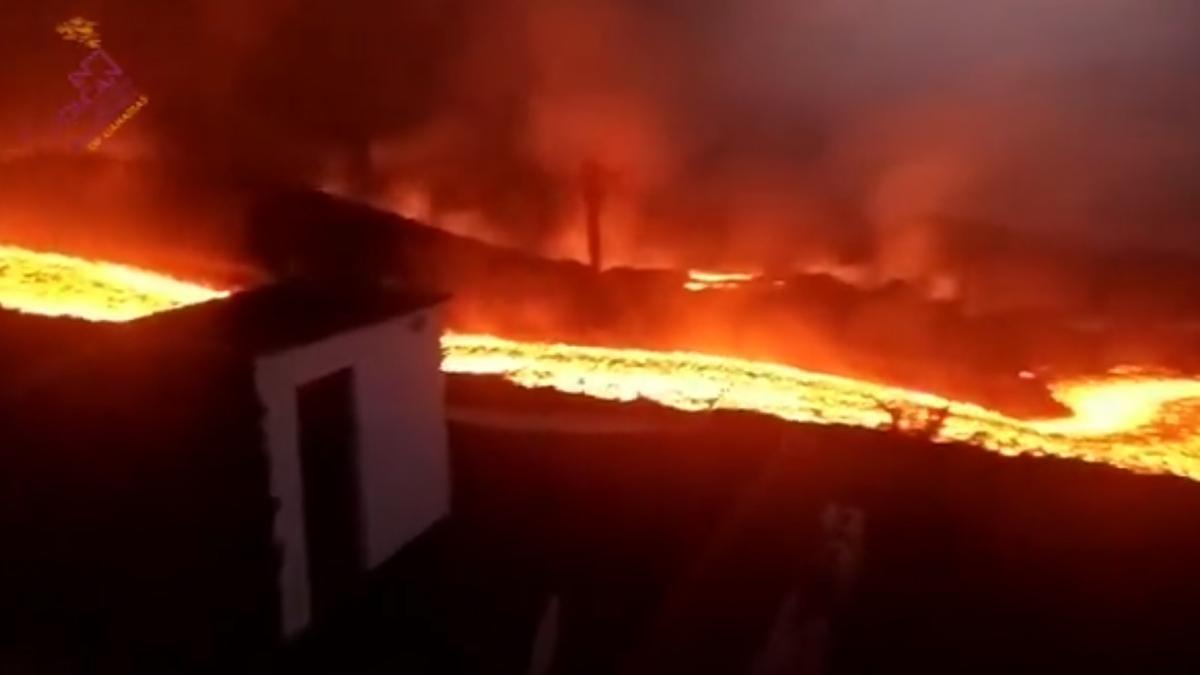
(672, 551)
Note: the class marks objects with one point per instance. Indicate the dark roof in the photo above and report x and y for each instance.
(258, 321)
(284, 315)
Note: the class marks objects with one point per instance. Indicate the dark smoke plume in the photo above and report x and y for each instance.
(759, 133)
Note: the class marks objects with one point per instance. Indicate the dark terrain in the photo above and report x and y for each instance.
(672, 552)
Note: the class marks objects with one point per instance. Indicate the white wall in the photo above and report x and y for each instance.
(403, 461)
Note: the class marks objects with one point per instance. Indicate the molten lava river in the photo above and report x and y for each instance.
(1139, 422)
(1136, 421)
(53, 284)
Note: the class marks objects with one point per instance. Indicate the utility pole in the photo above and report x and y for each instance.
(595, 193)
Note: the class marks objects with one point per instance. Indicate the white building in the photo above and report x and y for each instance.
(203, 482)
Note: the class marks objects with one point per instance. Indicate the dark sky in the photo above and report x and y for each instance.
(779, 128)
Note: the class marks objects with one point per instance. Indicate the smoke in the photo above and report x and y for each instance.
(760, 133)
(1059, 118)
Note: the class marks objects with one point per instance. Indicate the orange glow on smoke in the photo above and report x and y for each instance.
(1139, 422)
(52, 284)
(706, 281)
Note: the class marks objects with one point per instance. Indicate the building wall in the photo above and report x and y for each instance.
(403, 463)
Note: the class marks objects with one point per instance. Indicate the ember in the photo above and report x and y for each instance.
(1139, 422)
(53, 284)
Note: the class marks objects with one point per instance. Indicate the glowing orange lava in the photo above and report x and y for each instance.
(52, 284)
(1140, 422)
(708, 281)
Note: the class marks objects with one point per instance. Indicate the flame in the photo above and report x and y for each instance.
(53, 284)
(699, 280)
(1136, 421)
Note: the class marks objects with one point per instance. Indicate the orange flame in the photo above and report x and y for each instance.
(52, 284)
(1139, 422)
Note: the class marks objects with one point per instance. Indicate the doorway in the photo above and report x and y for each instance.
(329, 475)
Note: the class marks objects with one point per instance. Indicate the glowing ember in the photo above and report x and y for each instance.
(1139, 422)
(707, 281)
(52, 284)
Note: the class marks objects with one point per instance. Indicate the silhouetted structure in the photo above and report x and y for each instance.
(180, 492)
(595, 193)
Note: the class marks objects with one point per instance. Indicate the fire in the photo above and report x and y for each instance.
(1140, 422)
(706, 281)
(52, 284)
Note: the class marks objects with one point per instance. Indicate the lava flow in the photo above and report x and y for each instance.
(708, 281)
(52, 284)
(1138, 422)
